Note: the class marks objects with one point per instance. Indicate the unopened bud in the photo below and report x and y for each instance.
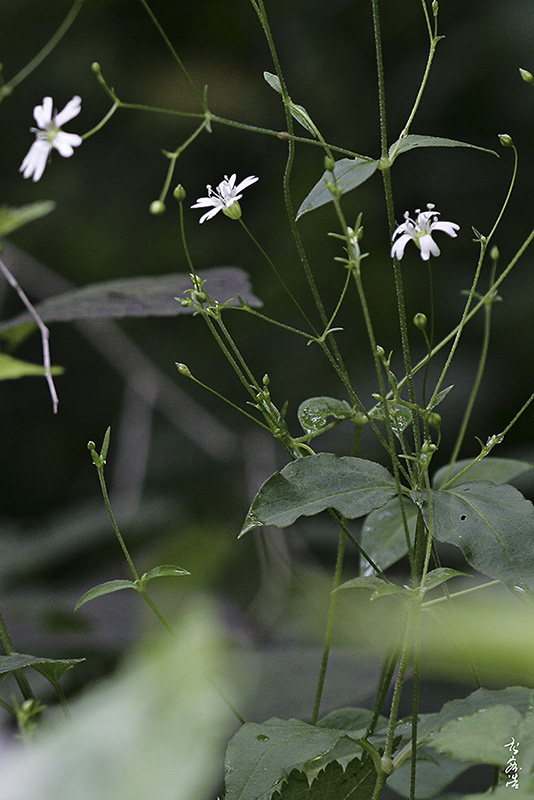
(157, 207)
(179, 193)
(506, 140)
(183, 369)
(420, 321)
(434, 419)
(329, 164)
(380, 351)
(527, 76)
(494, 253)
(428, 447)
(95, 66)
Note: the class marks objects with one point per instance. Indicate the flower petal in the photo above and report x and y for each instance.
(397, 251)
(43, 114)
(428, 246)
(446, 227)
(202, 202)
(210, 214)
(65, 143)
(35, 161)
(246, 182)
(71, 110)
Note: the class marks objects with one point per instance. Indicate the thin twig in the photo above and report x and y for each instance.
(45, 333)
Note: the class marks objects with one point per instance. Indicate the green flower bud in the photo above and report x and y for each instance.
(329, 164)
(157, 207)
(494, 253)
(380, 351)
(420, 321)
(233, 211)
(95, 66)
(428, 447)
(506, 140)
(183, 369)
(527, 76)
(434, 419)
(199, 297)
(179, 193)
(266, 380)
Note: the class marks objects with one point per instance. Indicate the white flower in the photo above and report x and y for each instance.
(49, 136)
(224, 198)
(420, 232)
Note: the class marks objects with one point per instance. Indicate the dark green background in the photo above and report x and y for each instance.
(193, 501)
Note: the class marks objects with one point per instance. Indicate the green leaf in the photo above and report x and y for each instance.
(372, 582)
(163, 571)
(356, 782)
(518, 697)
(496, 470)
(438, 576)
(434, 773)
(260, 756)
(349, 173)
(314, 413)
(383, 537)
(353, 486)
(297, 112)
(480, 737)
(441, 396)
(20, 660)
(12, 368)
(356, 720)
(54, 668)
(154, 729)
(51, 668)
(153, 296)
(104, 588)
(13, 218)
(413, 140)
(399, 415)
(492, 525)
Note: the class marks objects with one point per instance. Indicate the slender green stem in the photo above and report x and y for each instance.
(388, 191)
(433, 43)
(492, 442)
(275, 322)
(20, 677)
(286, 136)
(329, 624)
(471, 295)
(385, 406)
(277, 273)
(173, 52)
(225, 399)
(475, 388)
(414, 611)
(442, 599)
(384, 683)
(173, 158)
(105, 495)
(8, 87)
(102, 122)
(143, 592)
(415, 701)
(184, 239)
